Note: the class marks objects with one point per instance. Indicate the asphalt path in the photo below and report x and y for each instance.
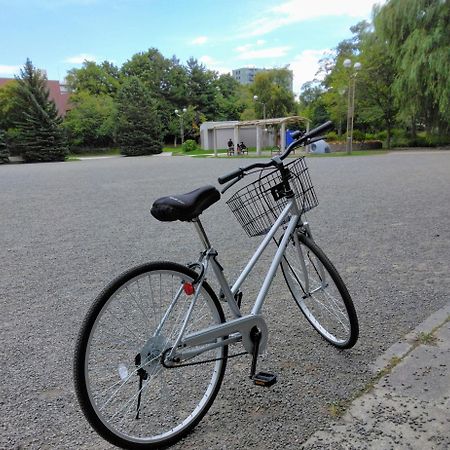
(66, 229)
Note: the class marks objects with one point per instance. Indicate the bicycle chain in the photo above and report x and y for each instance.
(197, 362)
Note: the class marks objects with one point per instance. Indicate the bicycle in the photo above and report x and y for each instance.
(151, 354)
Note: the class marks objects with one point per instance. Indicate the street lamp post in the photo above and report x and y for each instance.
(180, 115)
(351, 101)
(255, 97)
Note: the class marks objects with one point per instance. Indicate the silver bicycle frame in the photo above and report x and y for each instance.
(193, 344)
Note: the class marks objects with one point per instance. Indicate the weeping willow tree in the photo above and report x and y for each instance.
(417, 36)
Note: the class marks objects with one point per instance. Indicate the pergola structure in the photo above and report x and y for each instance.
(260, 125)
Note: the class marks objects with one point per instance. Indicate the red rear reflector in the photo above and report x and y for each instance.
(188, 288)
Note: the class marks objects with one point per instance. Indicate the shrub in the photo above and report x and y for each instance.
(332, 136)
(90, 122)
(437, 141)
(419, 141)
(398, 141)
(189, 146)
(371, 145)
(381, 135)
(359, 136)
(4, 153)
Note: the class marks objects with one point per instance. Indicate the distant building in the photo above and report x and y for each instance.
(58, 93)
(246, 75)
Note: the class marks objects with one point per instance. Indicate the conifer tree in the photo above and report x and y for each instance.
(4, 153)
(40, 136)
(139, 128)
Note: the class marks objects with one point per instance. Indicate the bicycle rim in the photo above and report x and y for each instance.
(321, 295)
(121, 326)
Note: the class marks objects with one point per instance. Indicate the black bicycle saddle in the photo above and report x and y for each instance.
(184, 207)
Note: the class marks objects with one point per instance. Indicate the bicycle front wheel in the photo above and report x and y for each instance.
(319, 292)
(129, 397)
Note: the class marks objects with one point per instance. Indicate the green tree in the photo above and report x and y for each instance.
(377, 105)
(90, 122)
(418, 39)
(165, 79)
(332, 103)
(152, 69)
(39, 133)
(202, 89)
(4, 152)
(273, 90)
(312, 105)
(9, 112)
(139, 128)
(228, 99)
(96, 79)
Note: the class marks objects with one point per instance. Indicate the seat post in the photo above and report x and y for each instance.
(201, 232)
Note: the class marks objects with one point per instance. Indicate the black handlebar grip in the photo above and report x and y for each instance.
(296, 134)
(230, 176)
(319, 129)
(313, 132)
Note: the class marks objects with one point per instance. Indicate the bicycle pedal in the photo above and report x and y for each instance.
(264, 379)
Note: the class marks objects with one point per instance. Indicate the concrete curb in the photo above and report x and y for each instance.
(408, 407)
(401, 348)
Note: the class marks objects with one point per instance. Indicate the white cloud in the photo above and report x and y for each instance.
(79, 59)
(270, 52)
(244, 48)
(213, 64)
(295, 11)
(305, 66)
(9, 70)
(200, 40)
(207, 60)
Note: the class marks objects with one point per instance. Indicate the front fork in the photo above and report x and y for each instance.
(304, 227)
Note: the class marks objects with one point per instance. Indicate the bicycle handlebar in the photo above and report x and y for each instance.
(307, 137)
(315, 131)
(304, 139)
(230, 176)
(241, 171)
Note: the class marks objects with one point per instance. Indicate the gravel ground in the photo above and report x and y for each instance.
(68, 229)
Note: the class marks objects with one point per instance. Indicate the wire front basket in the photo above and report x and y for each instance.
(258, 205)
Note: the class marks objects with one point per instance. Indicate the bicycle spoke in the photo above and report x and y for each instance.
(323, 304)
(168, 400)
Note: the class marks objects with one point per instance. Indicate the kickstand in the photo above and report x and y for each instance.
(142, 376)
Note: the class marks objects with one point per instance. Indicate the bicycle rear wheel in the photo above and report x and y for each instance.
(125, 392)
(321, 295)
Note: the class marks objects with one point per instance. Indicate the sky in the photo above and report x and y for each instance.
(58, 35)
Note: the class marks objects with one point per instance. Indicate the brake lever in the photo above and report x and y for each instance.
(225, 189)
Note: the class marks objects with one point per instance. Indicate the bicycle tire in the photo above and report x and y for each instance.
(173, 401)
(327, 306)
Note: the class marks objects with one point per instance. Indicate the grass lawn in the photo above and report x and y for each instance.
(199, 153)
(178, 151)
